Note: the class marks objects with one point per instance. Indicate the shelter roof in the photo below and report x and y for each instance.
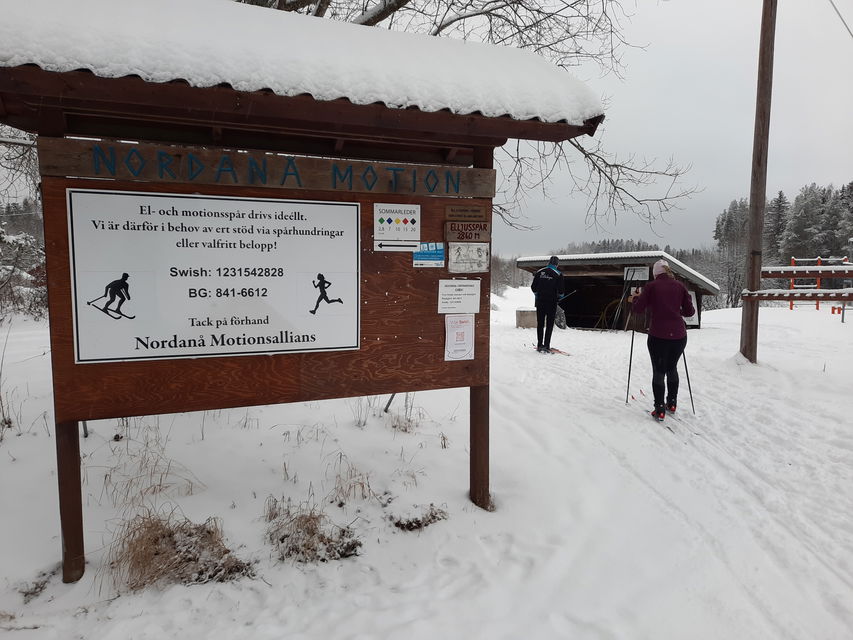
(481, 94)
(588, 262)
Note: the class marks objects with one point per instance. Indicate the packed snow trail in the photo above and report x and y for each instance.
(608, 526)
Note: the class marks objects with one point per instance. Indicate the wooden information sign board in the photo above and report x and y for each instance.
(250, 280)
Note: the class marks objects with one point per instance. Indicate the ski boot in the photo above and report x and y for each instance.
(671, 405)
(659, 412)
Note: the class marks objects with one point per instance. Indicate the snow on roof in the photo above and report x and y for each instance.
(211, 42)
(626, 257)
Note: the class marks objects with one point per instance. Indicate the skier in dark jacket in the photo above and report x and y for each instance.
(548, 288)
(668, 302)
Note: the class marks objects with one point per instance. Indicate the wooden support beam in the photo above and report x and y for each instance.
(797, 273)
(70, 500)
(612, 273)
(479, 481)
(758, 185)
(484, 158)
(823, 295)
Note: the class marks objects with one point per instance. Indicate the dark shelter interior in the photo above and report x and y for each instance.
(597, 289)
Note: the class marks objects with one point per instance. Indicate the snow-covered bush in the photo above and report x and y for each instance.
(155, 549)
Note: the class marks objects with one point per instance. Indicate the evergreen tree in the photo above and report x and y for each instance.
(775, 215)
(802, 223)
(731, 237)
(845, 222)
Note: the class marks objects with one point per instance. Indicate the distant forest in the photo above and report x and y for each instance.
(819, 222)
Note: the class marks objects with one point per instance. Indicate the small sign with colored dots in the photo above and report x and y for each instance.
(397, 227)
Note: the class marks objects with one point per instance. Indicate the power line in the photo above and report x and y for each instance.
(840, 17)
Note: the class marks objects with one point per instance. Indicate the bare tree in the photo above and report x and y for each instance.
(19, 172)
(567, 32)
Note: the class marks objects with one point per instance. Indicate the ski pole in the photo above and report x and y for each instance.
(389, 402)
(621, 300)
(96, 299)
(630, 359)
(684, 356)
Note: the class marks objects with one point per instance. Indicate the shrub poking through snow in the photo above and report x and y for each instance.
(350, 482)
(305, 534)
(142, 468)
(428, 516)
(153, 550)
(409, 419)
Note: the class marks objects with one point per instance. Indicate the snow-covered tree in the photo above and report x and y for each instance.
(567, 32)
(803, 223)
(775, 215)
(730, 234)
(19, 172)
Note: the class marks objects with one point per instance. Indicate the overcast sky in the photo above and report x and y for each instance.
(690, 95)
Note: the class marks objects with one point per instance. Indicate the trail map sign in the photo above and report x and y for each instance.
(158, 276)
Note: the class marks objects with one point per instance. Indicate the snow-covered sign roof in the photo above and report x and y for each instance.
(209, 43)
(623, 259)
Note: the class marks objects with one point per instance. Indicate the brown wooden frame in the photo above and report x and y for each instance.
(402, 335)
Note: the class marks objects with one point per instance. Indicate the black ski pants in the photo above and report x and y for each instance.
(545, 314)
(665, 354)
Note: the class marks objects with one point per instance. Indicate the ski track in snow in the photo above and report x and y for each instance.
(608, 526)
(767, 492)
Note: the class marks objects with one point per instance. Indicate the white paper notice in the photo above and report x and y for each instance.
(459, 336)
(158, 276)
(459, 296)
(693, 321)
(468, 257)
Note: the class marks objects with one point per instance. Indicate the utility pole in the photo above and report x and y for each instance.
(758, 186)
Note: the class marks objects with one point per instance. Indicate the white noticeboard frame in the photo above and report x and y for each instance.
(468, 257)
(693, 321)
(458, 296)
(459, 336)
(636, 274)
(202, 276)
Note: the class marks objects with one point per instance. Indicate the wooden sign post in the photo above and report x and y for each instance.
(191, 293)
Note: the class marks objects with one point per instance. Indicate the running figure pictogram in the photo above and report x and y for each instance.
(322, 285)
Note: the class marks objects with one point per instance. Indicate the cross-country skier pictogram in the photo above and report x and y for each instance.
(116, 289)
(322, 285)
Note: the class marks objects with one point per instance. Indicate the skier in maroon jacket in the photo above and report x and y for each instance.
(668, 302)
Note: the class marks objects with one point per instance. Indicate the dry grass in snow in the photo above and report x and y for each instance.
(154, 549)
(304, 533)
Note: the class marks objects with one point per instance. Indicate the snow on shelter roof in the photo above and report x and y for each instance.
(625, 258)
(213, 42)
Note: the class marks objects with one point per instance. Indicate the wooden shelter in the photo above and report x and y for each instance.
(596, 286)
(156, 134)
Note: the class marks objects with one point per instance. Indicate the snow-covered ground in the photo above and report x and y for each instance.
(608, 526)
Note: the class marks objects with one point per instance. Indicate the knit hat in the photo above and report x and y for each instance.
(660, 267)
(554, 261)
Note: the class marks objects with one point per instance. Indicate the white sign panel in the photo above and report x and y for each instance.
(636, 274)
(458, 296)
(159, 276)
(396, 227)
(693, 321)
(429, 254)
(468, 257)
(459, 337)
